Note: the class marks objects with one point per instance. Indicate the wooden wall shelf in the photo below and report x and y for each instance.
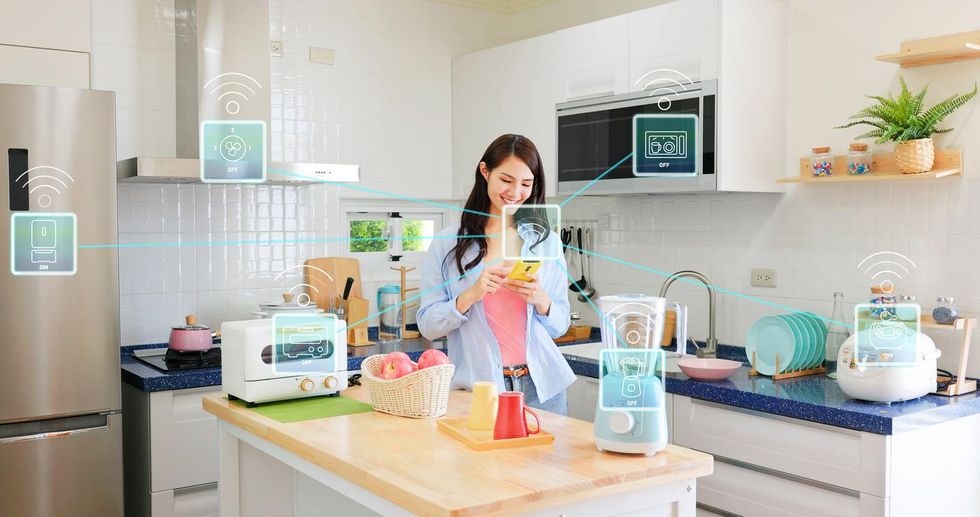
(949, 162)
(936, 50)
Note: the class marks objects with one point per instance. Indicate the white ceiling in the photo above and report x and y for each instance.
(502, 6)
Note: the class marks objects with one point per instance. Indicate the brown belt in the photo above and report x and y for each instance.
(515, 371)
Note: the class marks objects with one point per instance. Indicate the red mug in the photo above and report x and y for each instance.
(512, 417)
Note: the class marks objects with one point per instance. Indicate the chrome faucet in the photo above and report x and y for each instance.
(711, 344)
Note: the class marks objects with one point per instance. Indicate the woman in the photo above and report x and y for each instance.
(499, 329)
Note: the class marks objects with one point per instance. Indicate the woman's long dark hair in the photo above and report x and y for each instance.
(474, 219)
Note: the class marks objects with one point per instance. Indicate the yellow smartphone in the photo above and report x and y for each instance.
(523, 268)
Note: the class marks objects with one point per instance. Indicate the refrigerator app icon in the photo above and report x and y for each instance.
(43, 243)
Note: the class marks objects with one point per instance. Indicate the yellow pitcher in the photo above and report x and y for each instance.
(483, 407)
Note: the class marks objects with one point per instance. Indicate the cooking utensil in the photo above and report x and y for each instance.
(581, 283)
(190, 337)
(589, 290)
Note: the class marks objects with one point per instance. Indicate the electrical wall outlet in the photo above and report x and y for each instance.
(763, 277)
(275, 48)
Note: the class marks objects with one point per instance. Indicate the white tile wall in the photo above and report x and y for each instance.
(385, 104)
(214, 250)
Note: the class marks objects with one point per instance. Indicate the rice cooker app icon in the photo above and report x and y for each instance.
(665, 144)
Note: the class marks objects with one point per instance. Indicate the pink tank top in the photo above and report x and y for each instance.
(507, 315)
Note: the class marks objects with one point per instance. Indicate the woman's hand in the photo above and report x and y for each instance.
(531, 292)
(490, 279)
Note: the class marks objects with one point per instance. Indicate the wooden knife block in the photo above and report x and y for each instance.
(356, 310)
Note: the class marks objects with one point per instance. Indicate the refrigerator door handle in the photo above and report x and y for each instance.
(54, 428)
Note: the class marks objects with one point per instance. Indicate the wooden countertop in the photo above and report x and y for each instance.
(414, 465)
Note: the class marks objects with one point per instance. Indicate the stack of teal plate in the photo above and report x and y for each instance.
(798, 339)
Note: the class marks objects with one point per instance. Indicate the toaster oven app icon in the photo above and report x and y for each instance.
(665, 144)
(43, 243)
(304, 343)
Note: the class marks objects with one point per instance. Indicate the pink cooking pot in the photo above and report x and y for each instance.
(191, 337)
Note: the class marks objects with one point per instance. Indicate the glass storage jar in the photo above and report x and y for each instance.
(858, 159)
(821, 161)
(883, 299)
(945, 312)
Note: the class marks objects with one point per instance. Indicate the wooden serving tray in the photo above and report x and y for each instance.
(483, 440)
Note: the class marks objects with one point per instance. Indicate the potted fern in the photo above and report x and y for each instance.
(904, 121)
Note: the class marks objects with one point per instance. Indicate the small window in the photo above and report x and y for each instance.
(396, 234)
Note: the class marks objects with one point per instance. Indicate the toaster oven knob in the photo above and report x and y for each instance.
(330, 382)
(306, 385)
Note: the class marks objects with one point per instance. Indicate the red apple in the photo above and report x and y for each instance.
(432, 357)
(395, 365)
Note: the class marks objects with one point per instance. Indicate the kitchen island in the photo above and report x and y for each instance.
(373, 463)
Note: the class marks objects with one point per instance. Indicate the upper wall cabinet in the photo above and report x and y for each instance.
(515, 87)
(679, 36)
(48, 24)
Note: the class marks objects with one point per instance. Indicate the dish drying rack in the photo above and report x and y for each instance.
(789, 374)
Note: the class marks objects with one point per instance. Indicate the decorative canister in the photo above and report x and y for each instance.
(883, 299)
(858, 159)
(821, 161)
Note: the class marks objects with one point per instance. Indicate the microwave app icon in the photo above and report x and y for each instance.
(665, 144)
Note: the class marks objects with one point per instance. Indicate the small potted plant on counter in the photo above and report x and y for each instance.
(906, 122)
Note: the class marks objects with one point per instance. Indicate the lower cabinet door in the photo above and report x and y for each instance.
(748, 490)
(582, 396)
(197, 501)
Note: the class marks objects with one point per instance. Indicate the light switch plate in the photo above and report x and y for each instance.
(275, 48)
(323, 56)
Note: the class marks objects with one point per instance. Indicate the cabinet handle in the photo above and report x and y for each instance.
(195, 488)
(789, 477)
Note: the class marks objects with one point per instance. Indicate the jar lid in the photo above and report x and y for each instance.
(882, 290)
(858, 147)
(821, 149)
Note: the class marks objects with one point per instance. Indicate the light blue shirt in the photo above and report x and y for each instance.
(472, 345)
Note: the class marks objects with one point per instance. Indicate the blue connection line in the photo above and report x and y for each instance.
(419, 295)
(597, 178)
(381, 192)
(278, 241)
(699, 283)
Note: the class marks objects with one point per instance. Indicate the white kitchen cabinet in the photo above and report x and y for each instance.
(514, 88)
(170, 451)
(48, 24)
(769, 465)
(43, 67)
(681, 36)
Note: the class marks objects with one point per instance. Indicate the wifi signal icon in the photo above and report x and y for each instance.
(887, 265)
(233, 84)
(303, 297)
(665, 82)
(45, 183)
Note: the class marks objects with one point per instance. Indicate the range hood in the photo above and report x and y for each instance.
(212, 49)
(142, 169)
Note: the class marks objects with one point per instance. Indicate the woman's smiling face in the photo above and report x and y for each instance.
(510, 183)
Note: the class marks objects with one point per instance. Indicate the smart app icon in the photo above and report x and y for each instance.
(233, 151)
(665, 145)
(43, 243)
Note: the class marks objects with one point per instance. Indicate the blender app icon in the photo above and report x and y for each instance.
(43, 243)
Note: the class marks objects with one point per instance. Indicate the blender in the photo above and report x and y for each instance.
(631, 415)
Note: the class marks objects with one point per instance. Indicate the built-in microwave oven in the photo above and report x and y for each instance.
(596, 134)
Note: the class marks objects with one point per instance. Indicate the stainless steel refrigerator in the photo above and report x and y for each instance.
(60, 409)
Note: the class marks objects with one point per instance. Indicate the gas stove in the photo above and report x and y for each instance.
(172, 360)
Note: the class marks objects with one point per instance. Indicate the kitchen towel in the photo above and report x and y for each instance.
(298, 410)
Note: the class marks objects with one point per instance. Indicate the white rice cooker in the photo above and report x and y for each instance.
(882, 382)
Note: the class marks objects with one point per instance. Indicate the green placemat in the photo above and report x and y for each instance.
(297, 410)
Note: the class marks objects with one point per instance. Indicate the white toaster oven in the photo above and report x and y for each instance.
(257, 365)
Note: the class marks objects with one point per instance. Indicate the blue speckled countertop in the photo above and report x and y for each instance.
(148, 378)
(815, 398)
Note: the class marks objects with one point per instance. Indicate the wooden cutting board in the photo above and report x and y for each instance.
(328, 275)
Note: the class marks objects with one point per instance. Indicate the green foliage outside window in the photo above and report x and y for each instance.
(367, 236)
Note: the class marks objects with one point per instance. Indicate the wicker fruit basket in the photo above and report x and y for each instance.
(915, 156)
(420, 394)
